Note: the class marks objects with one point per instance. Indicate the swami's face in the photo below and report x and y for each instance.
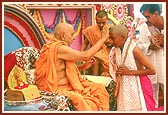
(101, 22)
(69, 35)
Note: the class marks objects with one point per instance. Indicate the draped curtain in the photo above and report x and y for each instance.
(50, 18)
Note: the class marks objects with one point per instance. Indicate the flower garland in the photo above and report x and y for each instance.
(61, 17)
(77, 28)
(49, 26)
(44, 28)
(50, 29)
(121, 11)
(74, 21)
(77, 21)
(128, 21)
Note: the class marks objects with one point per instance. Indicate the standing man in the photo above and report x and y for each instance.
(92, 34)
(151, 43)
(130, 63)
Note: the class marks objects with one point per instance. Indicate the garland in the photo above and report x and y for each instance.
(37, 15)
(61, 17)
(50, 28)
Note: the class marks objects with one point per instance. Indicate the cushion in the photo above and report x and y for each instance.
(98, 79)
(23, 57)
(31, 78)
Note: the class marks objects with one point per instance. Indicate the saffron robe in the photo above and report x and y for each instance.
(93, 34)
(130, 97)
(93, 96)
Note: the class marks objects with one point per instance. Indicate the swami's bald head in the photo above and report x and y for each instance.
(62, 28)
(64, 32)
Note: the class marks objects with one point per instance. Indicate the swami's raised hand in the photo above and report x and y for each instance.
(105, 31)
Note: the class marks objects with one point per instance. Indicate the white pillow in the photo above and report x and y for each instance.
(31, 78)
(98, 79)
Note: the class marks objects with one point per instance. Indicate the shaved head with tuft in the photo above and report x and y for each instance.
(120, 30)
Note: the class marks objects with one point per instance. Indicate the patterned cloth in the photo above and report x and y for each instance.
(29, 107)
(113, 102)
(130, 97)
(23, 57)
(57, 102)
(26, 57)
(48, 102)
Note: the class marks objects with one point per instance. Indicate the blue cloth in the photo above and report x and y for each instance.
(29, 107)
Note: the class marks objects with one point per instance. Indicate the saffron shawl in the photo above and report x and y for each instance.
(93, 96)
(93, 34)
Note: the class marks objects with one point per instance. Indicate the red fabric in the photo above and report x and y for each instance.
(21, 58)
(148, 94)
(9, 63)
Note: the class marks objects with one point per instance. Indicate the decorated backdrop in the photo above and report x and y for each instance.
(48, 16)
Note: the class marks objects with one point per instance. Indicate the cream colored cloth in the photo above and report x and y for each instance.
(98, 79)
(130, 97)
(156, 56)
